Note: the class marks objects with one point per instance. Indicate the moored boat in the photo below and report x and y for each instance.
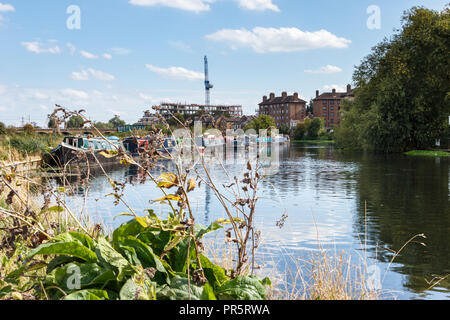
(83, 151)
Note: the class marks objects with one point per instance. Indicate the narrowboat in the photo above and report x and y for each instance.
(83, 151)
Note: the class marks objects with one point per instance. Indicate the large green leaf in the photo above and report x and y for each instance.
(87, 275)
(208, 293)
(75, 236)
(130, 228)
(133, 291)
(216, 275)
(73, 249)
(91, 294)
(180, 289)
(110, 258)
(242, 288)
(144, 254)
(179, 254)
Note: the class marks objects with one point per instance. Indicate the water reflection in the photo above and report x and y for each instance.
(324, 192)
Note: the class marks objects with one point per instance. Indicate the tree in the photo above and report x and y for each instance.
(28, 129)
(51, 123)
(261, 123)
(314, 129)
(310, 107)
(75, 122)
(284, 130)
(402, 88)
(117, 122)
(302, 129)
(173, 122)
(2, 128)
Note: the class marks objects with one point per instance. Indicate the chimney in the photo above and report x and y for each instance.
(334, 91)
(317, 93)
(265, 99)
(272, 96)
(284, 94)
(296, 95)
(349, 88)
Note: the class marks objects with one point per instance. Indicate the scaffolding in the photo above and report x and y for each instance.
(167, 109)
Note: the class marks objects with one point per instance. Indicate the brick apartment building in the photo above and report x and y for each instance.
(328, 105)
(285, 110)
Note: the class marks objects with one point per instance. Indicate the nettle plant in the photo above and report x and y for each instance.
(161, 258)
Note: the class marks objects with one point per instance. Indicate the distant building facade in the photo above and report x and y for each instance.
(328, 105)
(188, 110)
(148, 119)
(285, 110)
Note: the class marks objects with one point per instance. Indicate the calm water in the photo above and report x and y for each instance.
(324, 193)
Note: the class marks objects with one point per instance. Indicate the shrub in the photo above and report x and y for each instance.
(28, 129)
(2, 128)
(27, 145)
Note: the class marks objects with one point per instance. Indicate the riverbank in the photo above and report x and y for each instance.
(427, 153)
(314, 141)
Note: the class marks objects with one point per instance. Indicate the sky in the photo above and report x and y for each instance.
(121, 57)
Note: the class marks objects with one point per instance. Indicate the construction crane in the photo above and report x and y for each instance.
(208, 85)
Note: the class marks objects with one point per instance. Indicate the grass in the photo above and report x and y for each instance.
(314, 141)
(18, 146)
(428, 153)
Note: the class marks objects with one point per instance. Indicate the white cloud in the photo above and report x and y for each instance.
(338, 87)
(76, 94)
(71, 48)
(176, 73)
(6, 7)
(188, 5)
(180, 45)
(88, 55)
(258, 5)
(263, 40)
(2, 89)
(83, 75)
(38, 47)
(120, 51)
(102, 76)
(328, 69)
(40, 95)
(146, 97)
(107, 56)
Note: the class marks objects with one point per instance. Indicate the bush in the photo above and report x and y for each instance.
(27, 145)
(28, 129)
(2, 128)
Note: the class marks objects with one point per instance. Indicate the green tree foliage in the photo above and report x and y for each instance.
(173, 122)
(261, 123)
(75, 122)
(315, 128)
(51, 123)
(2, 128)
(28, 129)
(403, 88)
(116, 122)
(284, 130)
(302, 129)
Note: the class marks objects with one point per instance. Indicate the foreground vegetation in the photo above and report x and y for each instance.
(47, 251)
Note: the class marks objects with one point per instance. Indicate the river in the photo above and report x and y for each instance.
(349, 201)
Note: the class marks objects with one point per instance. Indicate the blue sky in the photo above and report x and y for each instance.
(131, 54)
